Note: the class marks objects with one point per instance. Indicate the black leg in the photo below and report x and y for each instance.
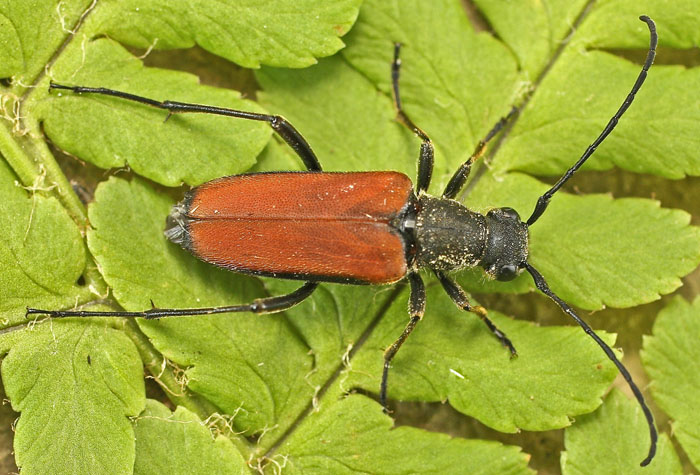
(278, 123)
(263, 305)
(460, 177)
(427, 153)
(459, 297)
(416, 309)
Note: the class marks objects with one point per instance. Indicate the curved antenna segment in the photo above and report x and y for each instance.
(543, 201)
(544, 288)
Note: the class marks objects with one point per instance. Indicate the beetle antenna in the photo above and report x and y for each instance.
(543, 201)
(541, 284)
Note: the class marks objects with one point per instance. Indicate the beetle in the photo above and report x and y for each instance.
(358, 228)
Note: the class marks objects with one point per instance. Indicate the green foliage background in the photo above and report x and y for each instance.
(295, 392)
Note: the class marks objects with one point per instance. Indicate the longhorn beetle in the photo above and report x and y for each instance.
(358, 228)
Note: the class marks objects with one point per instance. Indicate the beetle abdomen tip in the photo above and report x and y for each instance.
(176, 226)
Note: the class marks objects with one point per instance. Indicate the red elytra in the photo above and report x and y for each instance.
(325, 226)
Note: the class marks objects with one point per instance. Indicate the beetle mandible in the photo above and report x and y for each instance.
(369, 227)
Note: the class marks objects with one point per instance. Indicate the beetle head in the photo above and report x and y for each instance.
(507, 244)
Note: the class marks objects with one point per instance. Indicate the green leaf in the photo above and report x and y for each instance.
(30, 33)
(614, 439)
(352, 435)
(533, 30)
(279, 383)
(671, 358)
(190, 449)
(32, 271)
(75, 383)
(283, 33)
(607, 25)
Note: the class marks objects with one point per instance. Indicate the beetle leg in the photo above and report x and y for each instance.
(416, 309)
(459, 297)
(427, 153)
(460, 177)
(279, 124)
(263, 305)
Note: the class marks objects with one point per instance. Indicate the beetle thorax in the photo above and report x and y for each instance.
(448, 235)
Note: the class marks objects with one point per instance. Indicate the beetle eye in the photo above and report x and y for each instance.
(507, 272)
(510, 213)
